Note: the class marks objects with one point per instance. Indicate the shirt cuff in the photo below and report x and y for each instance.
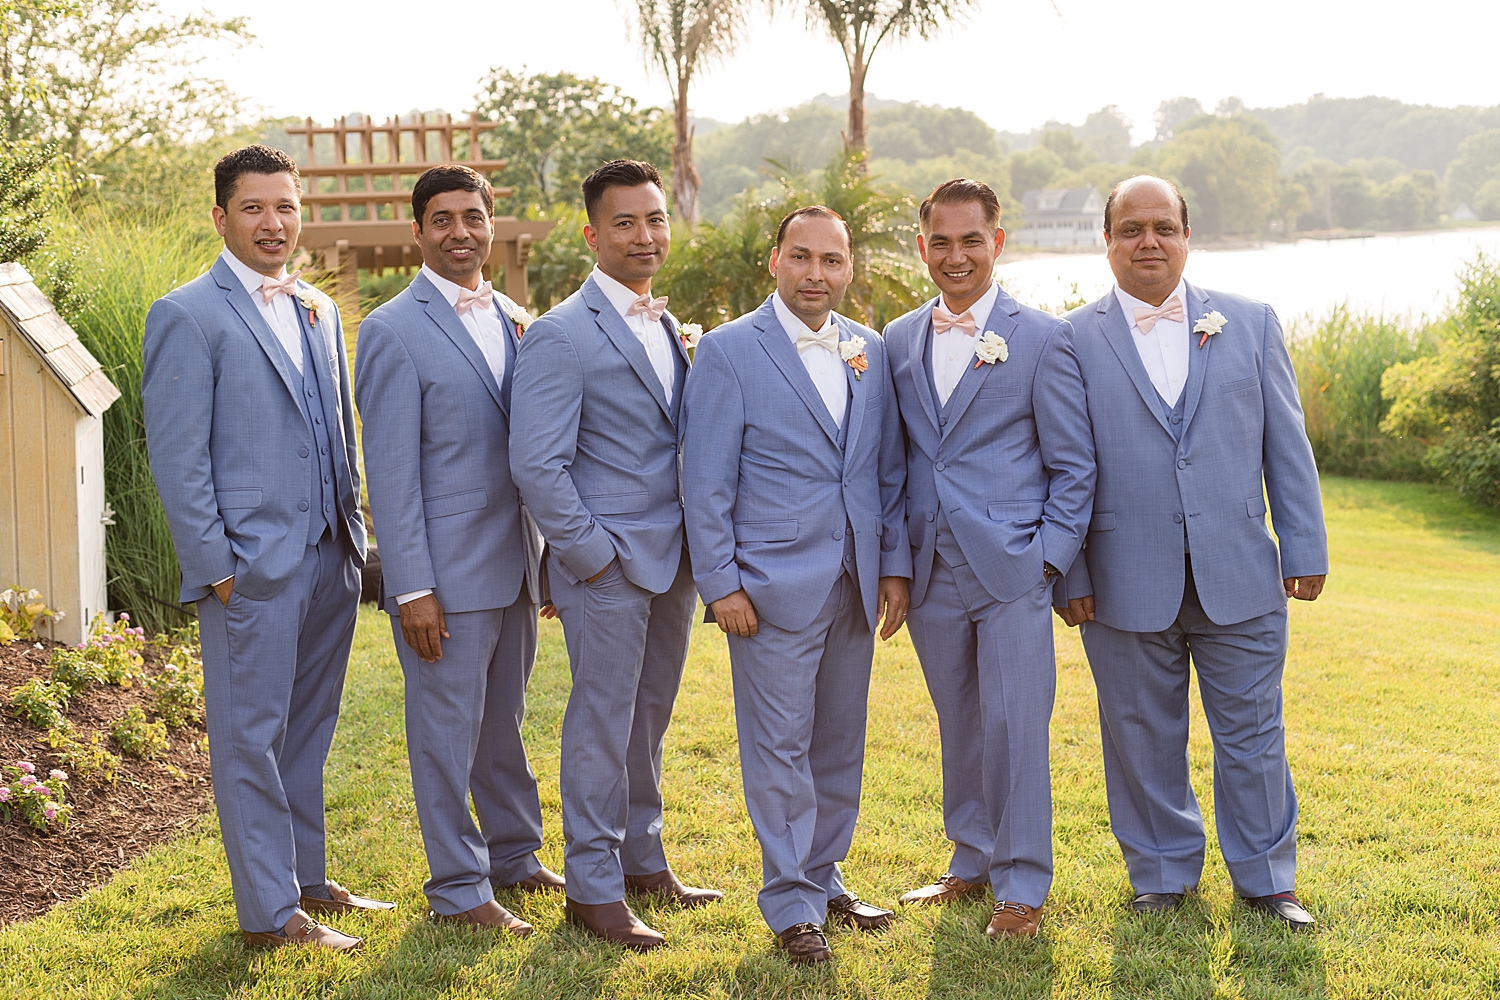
(406, 598)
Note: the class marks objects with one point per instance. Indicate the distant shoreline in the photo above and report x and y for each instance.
(1231, 243)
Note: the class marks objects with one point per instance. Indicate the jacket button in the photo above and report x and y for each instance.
(932, 515)
(940, 467)
(848, 483)
(838, 536)
(1177, 518)
(301, 452)
(302, 505)
(1182, 463)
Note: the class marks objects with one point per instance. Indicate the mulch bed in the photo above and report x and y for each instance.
(112, 824)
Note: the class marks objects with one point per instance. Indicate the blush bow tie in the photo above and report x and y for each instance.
(483, 297)
(653, 308)
(1170, 310)
(943, 321)
(272, 287)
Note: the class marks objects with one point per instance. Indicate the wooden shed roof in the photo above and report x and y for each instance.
(54, 341)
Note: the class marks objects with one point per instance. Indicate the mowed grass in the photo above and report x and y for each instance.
(1393, 709)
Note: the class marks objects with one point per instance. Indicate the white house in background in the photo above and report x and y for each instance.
(1061, 217)
(1463, 213)
(53, 395)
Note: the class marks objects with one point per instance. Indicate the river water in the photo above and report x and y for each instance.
(1394, 274)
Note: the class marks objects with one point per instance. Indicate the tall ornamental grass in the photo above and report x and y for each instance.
(129, 265)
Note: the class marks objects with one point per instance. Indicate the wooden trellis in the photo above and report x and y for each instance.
(357, 207)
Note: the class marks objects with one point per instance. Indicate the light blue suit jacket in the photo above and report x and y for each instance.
(1242, 441)
(594, 442)
(767, 489)
(1011, 463)
(230, 450)
(448, 516)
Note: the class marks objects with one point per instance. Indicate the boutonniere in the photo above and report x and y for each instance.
(313, 300)
(690, 334)
(991, 348)
(1208, 326)
(853, 353)
(513, 312)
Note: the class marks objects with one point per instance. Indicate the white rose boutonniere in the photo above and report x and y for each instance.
(990, 349)
(690, 334)
(515, 313)
(853, 353)
(1208, 326)
(313, 301)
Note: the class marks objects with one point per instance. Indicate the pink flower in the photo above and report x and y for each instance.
(42, 790)
(26, 766)
(124, 616)
(50, 812)
(57, 775)
(4, 793)
(27, 781)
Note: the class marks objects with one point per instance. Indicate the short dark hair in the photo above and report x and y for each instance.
(449, 177)
(961, 191)
(617, 173)
(813, 210)
(254, 159)
(1115, 191)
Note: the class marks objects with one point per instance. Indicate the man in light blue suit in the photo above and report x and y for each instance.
(595, 407)
(250, 430)
(1196, 424)
(792, 471)
(1000, 480)
(458, 552)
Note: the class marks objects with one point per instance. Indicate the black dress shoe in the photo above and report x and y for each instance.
(848, 910)
(1156, 902)
(1284, 907)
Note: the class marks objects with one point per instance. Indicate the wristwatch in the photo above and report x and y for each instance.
(1049, 571)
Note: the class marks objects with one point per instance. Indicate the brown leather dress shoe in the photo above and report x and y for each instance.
(303, 929)
(667, 885)
(343, 901)
(805, 943)
(849, 910)
(615, 923)
(491, 916)
(1014, 920)
(543, 881)
(945, 890)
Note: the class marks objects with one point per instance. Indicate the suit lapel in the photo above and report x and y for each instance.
(1117, 334)
(625, 341)
(919, 330)
(1002, 322)
(857, 389)
(1197, 357)
(680, 363)
(239, 300)
(512, 344)
(779, 346)
(447, 320)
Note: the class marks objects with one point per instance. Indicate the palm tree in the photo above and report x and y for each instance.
(859, 26)
(679, 36)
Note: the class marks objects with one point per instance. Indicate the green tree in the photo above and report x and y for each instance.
(1106, 133)
(1227, 170)
(860, 26)
(554, 129)
(1172, 113)
(1409, 201)
(680, 37)
(912, 132)
(24, 198)
(1073, 154)
(1355, 203)
(1477, 164)
(1033, 168)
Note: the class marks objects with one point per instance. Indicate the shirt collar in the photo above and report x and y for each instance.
(448, 289)
(619, 296)
(249, 276)
(981, 309)
(1130, 303)
(792, 323)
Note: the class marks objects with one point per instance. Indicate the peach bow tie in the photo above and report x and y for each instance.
(272, 287)
(1170, 310)
(653, 308)
(943, 321)
(483, 297)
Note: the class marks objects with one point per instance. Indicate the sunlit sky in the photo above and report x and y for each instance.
(1016, 63)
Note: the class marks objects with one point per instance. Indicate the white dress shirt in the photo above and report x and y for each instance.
(1164, 351)
(485, 327)
(280, 313)
(953, 352)
(653, 336)
(824, 367)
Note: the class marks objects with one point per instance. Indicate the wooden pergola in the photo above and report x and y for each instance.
(360, 202)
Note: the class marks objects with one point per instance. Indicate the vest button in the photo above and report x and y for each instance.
(1176, 418)
(302, 505)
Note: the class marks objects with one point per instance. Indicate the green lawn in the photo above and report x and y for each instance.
(1392, 700)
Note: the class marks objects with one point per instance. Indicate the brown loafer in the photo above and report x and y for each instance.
(668, 886)
(304, 930)
(543, 881)
(615, 923)
(343, 901)
(1014, 920)
(805, 943)
(849, 910)
(490, 916)
(946, 889)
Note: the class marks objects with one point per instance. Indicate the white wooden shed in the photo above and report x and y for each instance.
(53, 395)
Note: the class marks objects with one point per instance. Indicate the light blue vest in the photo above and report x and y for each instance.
(324, 493)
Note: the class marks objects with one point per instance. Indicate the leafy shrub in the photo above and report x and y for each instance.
(115, 649)
(40, 702)
(21, 610)
(38, 803)
(73, 669)
(139, 737)
(85, 760)
(178, 690)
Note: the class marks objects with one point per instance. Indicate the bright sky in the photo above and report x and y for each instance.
(1016, 63)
